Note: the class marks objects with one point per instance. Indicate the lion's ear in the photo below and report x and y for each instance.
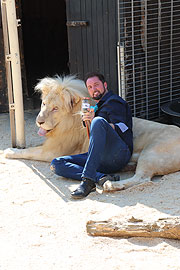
(70, 99)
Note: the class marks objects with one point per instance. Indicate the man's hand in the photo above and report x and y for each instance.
(88, 116)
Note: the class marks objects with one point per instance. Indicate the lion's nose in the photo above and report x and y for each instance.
(40, 122)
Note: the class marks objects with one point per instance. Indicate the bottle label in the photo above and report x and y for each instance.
(85, 106)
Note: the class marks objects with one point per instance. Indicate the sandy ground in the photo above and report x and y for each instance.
(41, 227)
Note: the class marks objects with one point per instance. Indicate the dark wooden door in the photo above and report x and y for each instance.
(92, 38)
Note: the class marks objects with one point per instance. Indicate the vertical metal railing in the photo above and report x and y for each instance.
(146, 57)
(118, 53)
(171, 36)
(159, 56)
(121, 51)
(133, 56)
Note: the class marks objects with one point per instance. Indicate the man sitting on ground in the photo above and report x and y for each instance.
(110, 143)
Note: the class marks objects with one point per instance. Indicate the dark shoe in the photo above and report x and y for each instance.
(84, 189)
(109, 177)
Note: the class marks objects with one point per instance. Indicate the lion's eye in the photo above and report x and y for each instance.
(55, 109)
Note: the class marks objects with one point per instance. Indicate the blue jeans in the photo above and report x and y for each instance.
(107, 154)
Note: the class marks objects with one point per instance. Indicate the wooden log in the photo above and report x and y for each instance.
(163, 227)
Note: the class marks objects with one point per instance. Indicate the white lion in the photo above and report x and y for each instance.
(156, 146)
(59, 120)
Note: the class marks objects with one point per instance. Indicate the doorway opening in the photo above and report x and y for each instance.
(45, 40)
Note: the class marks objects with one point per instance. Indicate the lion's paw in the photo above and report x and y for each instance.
(10, 152)
(110, 186)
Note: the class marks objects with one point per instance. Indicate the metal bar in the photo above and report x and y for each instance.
(120, 51)
(146, 58)
(171, 64)
(76, 23)
(159, 58)
(133, 58)
(122, 67)
(119, 74)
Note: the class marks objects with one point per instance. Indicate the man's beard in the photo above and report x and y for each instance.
(100, 95)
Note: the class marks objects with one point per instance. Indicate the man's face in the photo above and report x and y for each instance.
(96, 88)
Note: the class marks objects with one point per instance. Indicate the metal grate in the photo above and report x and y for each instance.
(149, 54)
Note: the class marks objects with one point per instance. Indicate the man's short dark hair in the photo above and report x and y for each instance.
(94, 74)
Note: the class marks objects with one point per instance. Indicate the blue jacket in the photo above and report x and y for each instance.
(116, 111)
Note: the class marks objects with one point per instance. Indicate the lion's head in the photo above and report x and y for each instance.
(61, 100)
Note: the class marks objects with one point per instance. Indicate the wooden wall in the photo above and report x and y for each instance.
(93, 47)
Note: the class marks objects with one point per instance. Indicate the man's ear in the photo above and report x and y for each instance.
(105, 85)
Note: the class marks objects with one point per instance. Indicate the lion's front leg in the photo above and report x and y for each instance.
(32, 153)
